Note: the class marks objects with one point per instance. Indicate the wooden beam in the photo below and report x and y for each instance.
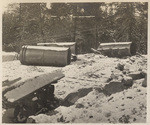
(31, 85)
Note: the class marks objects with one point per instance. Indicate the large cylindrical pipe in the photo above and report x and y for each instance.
(48, 56)
(71, 45)
(117, 49)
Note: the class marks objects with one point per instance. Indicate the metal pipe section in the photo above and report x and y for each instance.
(117, 49)
(46, 56)
(71, 45)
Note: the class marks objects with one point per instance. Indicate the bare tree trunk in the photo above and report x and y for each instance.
(41, 24)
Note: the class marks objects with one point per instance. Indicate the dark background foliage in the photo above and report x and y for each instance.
(88, 24)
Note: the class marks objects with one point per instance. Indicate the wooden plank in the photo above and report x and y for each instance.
(31, 85)
(9, 83)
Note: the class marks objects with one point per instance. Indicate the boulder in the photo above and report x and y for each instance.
(144, 83)
(144, 73)
(79, 105)
(127, 81)
(120, 66)
(136, 75)
(113, 87)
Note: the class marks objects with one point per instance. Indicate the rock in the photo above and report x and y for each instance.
(134, 119)
(129, 97)
(124, 119)
(127, 81)
(120, 78)
(107, 114)
(144, 73)
(124, 72)
(30, 120)
(138, 90)
(61, 119)
(79, 105)
(113, 87)
(144, 83)
(91, 116)
(136, 75)
(113, 75)
(110, 98)
(73, 57)
(109, 79)
(132, 59)
(122, 104)
(120, 66)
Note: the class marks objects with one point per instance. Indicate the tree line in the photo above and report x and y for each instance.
(88, 24)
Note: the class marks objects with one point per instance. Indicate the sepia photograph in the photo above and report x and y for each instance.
(74, 62)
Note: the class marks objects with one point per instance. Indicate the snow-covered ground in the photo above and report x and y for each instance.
(92, 89)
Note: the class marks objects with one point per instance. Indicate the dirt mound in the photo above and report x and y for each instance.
(95, 89)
